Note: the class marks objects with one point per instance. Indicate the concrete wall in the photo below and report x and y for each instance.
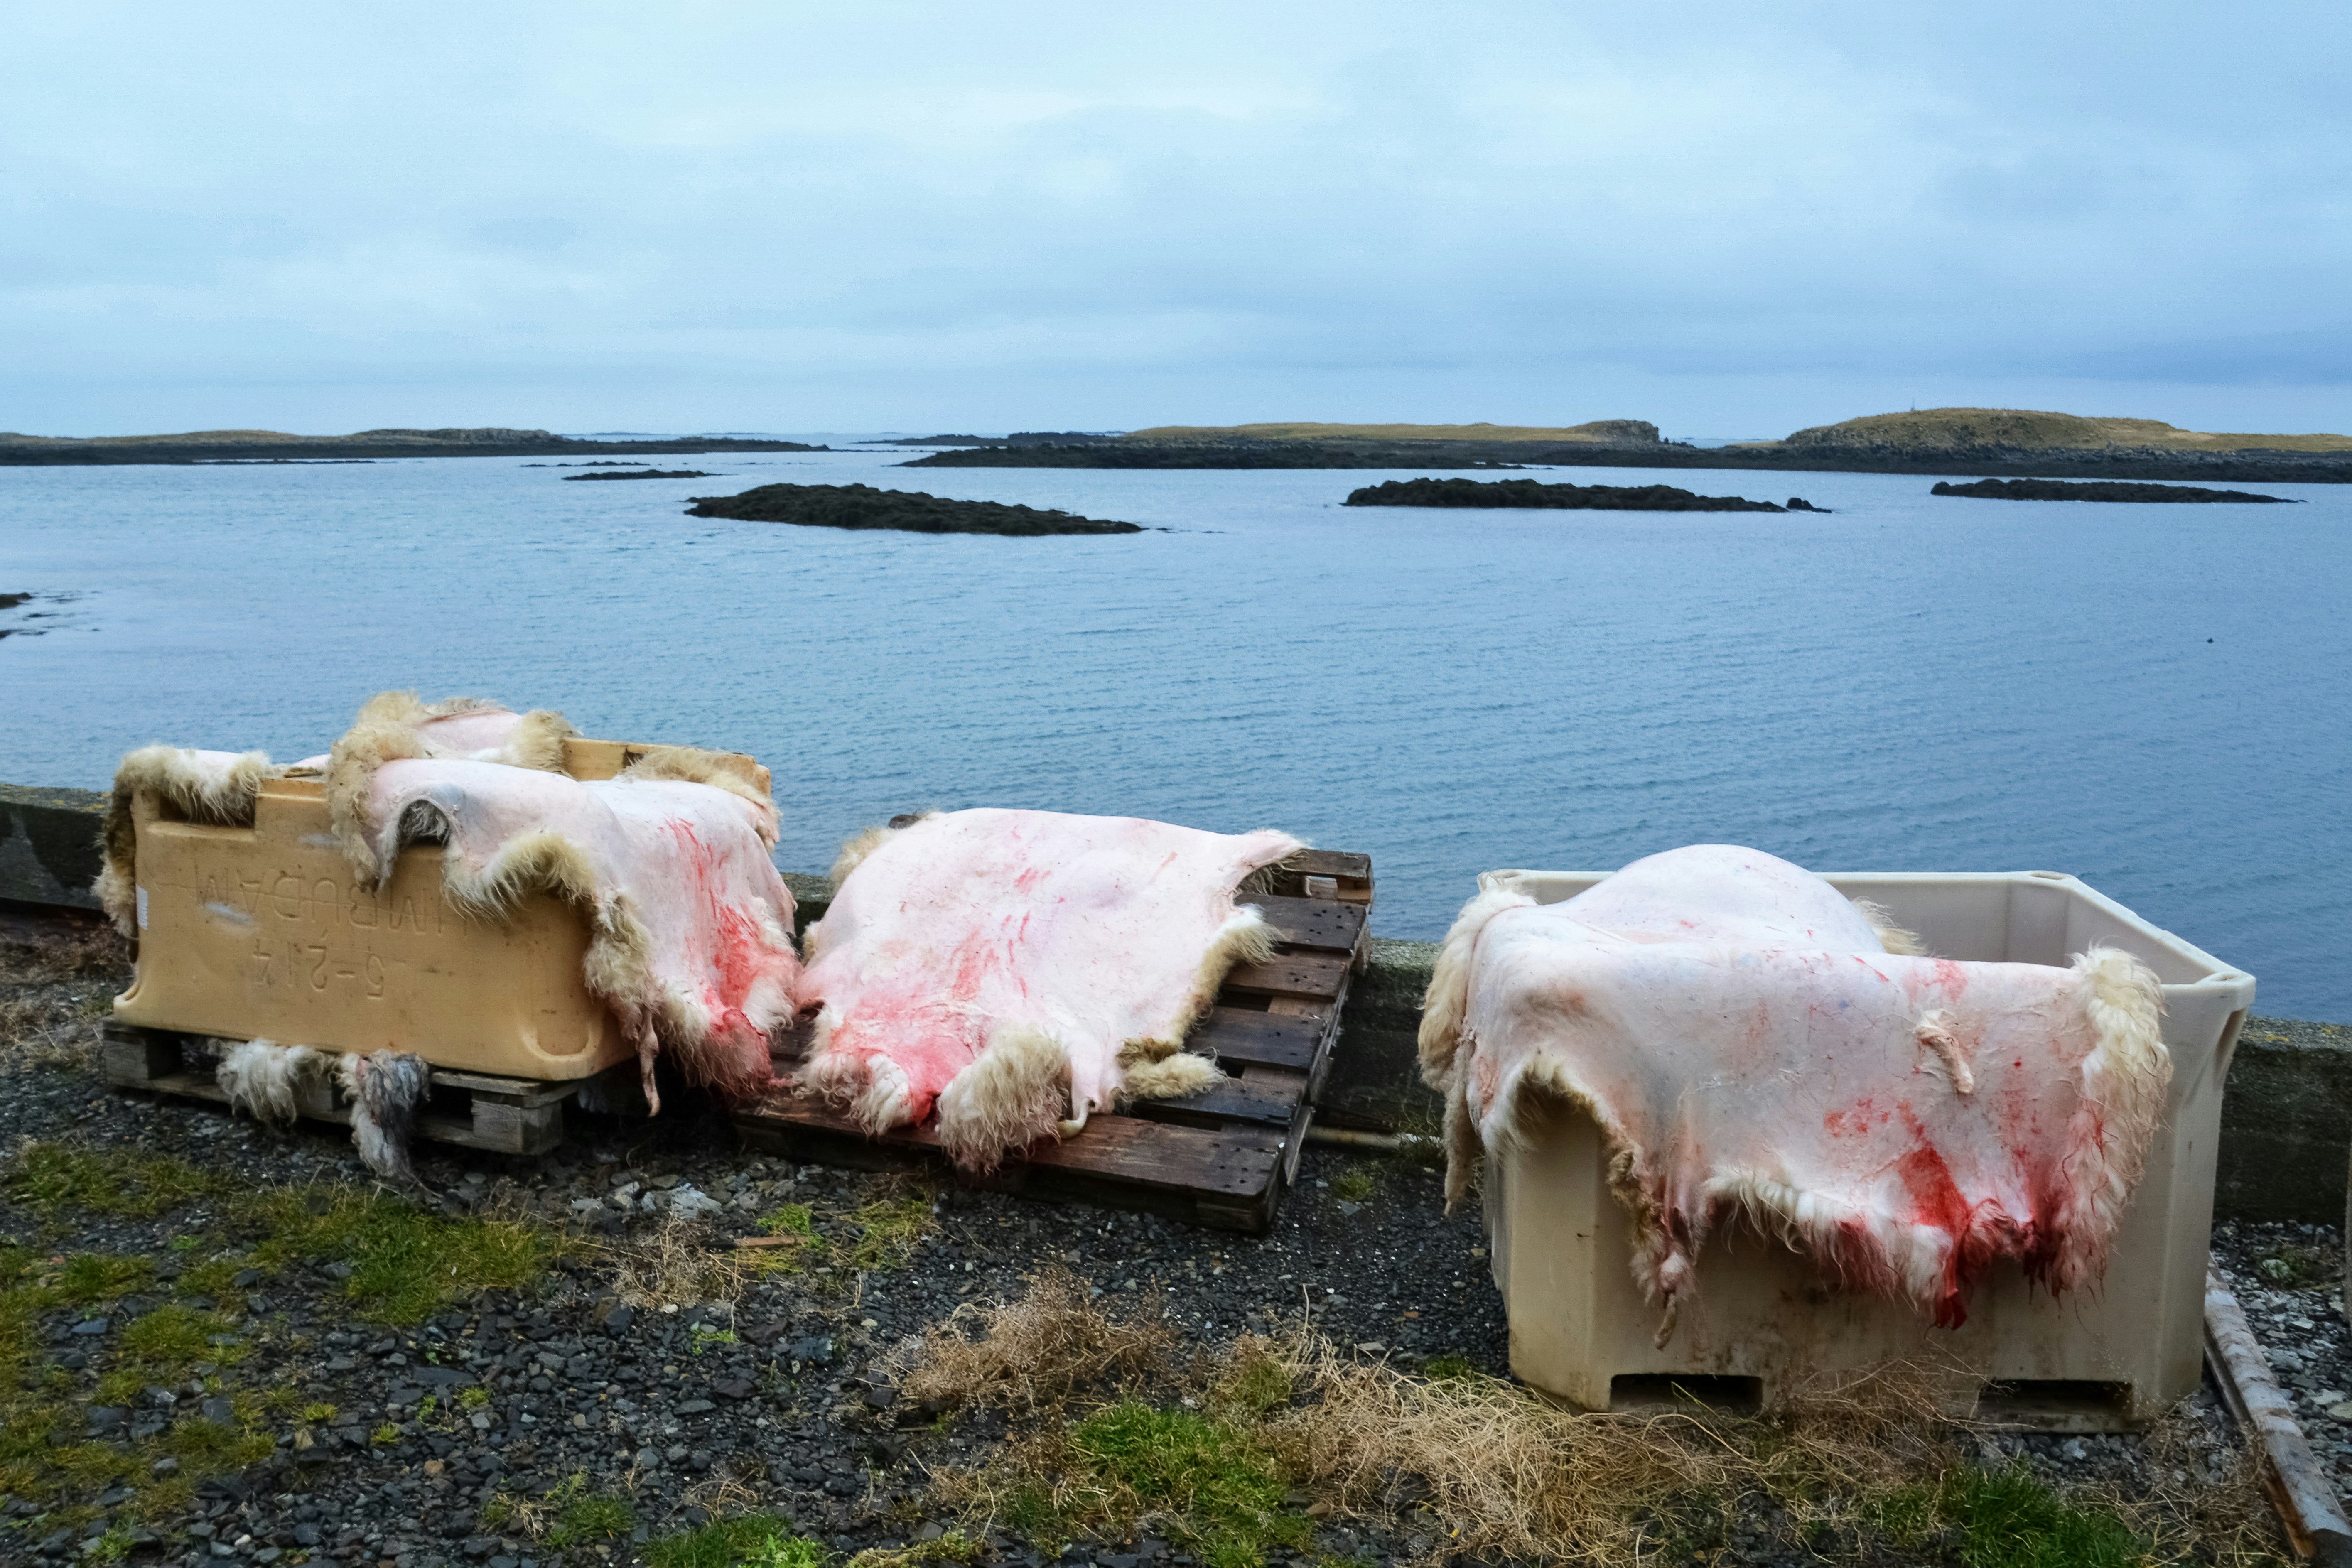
(49, 844)
(2286, 1123)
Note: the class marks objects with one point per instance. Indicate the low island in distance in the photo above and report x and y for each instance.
(909, 511)
(2095, 489)
(641, 474)
(1557, 498)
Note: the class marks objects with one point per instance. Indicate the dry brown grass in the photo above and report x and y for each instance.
(65, 954)
(1037, 1350)
(1514, 1476)
(39, 1032)
(1487, 1469)
(676, 1266)
(2192, 1509)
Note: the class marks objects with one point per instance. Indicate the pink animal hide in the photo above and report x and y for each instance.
(1002, 965)
(1746, 1046)
(691, 939)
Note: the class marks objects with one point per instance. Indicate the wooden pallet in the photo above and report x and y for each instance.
(1220, 1158)
(474, 1110)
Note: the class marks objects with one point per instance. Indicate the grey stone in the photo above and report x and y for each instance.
(218, 1410)
(92, 1326)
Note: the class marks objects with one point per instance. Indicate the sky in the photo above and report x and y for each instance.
(1733, 220)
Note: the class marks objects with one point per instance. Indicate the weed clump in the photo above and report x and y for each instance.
(1038, 1350)
(889, 1229)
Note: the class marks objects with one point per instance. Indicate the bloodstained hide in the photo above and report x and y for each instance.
(1748, 1046)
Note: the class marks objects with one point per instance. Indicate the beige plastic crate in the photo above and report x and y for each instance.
(1762, 1321)
(262, 933)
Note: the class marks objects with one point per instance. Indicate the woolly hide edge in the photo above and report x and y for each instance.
(859, 846)
(691, 765)
(163, 772)
(1006, 1098)
(1898, 941)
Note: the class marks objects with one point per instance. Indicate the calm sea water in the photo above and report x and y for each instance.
(2152, 697)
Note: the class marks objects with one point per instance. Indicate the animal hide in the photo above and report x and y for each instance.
(1004, 966)
(1748, 1046)
(204, 787)
(396, 725)
(689, 924)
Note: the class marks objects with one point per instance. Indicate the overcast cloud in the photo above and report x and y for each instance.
(1729, 218)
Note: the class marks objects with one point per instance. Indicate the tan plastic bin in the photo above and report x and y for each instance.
(1762, 1321)
(262, 933)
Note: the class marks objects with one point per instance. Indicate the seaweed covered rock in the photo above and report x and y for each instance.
(1554, 498)
(2094, 490)
(863, 506)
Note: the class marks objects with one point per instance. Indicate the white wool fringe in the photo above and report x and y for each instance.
(263, 1078)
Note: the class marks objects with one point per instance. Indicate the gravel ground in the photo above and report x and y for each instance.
(2289, 1281)
(514, 1395)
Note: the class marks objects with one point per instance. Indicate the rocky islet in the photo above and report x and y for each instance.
(909, 511)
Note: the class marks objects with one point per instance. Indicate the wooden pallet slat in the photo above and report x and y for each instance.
(1315, 977)
(1220, 1158)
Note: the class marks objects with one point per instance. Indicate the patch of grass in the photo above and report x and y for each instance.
(1255, 1383)
(90, 1277)
(2007, 1518)
(705, 1336)
(184, 1243)
(208, 1448)
(215, 1277)
(888, 1231)
(1356, 1183)
(797, 1551)
(405, 1263)
(385, 1435)
(473, 1399)
(118, 1181)
(319, 1415)
(722, 1543)
(1221, 1490)
(176, 1337)
(587, 1521)
(793, 1219)
(1453, 1363)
